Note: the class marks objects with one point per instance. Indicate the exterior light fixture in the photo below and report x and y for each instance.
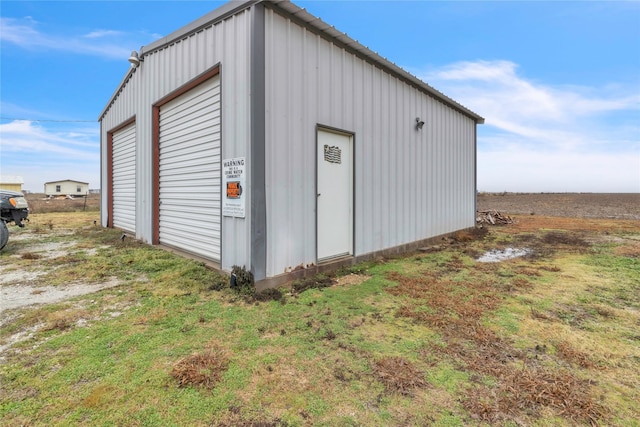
(134, 59)
(419, 123)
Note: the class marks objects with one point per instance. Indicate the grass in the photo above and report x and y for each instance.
(426, 339)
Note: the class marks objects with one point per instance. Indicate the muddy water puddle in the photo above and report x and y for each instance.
(498, 255)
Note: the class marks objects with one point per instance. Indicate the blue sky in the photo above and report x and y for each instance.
(558, 82)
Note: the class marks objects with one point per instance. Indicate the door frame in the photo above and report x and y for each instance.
(352, 136)
(155, 136)
(109, 183)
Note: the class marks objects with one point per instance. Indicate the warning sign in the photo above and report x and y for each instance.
(234, 190)
(233, 178)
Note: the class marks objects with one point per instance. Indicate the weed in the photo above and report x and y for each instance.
(537, 314)
(242, 280)
(218, 282)
(235, 418)
(202, 369)
(316, 282)
(329, 335)
(399, 375)
(568, 353)
(270, 294)
(60, 324)
(360, 268)
(477, 348)
(30, 255)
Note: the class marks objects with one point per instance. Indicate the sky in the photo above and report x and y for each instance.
(558, 83)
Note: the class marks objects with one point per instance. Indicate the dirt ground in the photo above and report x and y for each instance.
(40, 203)
(570, 205)
(49, 237)
(575, 211)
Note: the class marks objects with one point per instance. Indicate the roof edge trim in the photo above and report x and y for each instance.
(67, 180)
(301, 16)
(216, 15)
(317, 25)
(115, 93)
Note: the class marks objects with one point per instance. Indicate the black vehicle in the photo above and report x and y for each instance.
(13, 208)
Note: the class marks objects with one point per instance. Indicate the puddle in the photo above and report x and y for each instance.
(497, 255)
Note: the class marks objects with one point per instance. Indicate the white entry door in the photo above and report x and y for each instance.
(335, 195)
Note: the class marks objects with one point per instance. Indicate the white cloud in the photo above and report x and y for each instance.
(24, 135)
(103, 33)
(530, 170)
(18, 31)
(541, 137)
(110, 44)
(41, 153)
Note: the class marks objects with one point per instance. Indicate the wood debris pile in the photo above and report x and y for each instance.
(493, 217)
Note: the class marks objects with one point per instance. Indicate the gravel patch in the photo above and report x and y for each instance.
(16, 296)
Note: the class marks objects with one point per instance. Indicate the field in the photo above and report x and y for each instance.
(571, 205)
(546, 338)
(40, 203)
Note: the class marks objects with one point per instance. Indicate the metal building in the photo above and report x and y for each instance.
(260, 136)
(11, 182)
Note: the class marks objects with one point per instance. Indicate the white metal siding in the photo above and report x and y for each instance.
(124, 178)
(66, 188)
(190, 174)
(410, 185)
(225, 42)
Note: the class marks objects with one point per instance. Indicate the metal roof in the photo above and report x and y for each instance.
(67, 180)
(313, 23)
(11, 179)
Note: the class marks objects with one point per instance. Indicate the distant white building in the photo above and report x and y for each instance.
(67, 187)
(11, 182)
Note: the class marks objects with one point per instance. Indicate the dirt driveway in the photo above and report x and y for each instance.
(34, 252)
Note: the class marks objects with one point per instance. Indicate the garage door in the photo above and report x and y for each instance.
(189, 168)
(124, 178)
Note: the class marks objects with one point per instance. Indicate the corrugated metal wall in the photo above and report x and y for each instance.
(410, 184)
(123, 109)
(190, 171)
(164, 70)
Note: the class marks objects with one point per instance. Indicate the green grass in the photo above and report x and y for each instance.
(313, 358)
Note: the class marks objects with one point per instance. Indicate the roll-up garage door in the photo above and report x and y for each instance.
(189, 168)
(124, 178)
